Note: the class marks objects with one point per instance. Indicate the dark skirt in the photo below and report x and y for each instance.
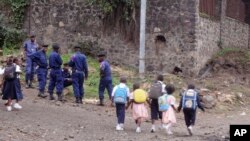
(9, 89)
(19, 94)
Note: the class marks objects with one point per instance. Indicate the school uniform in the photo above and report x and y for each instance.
(120, 108)
(9, 88)
(190, 113)
(154, 106)
(56, 79)
(19, 94)
(79, 66)
(106, 80)
(67, 80)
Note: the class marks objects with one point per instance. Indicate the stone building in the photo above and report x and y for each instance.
(180, 34)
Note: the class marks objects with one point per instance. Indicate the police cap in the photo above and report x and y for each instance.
(55, 46)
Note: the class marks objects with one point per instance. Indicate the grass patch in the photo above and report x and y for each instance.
(226, 51)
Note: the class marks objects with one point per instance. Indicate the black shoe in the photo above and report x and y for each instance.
(80, 101)
(77, 100)
(60, 98)
(101, 103)
(51, 97)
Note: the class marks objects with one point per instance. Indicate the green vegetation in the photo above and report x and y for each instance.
(11, 35)
(18, 8)
(110, 7)
(226, 51)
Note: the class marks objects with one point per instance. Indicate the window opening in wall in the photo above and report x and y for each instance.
(160, 42)
(237, 9)
(210, 8)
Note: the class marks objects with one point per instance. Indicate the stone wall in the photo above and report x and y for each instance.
(174, 20)
(213, 34)
(208, 36)
(74, 21)
(234, 33)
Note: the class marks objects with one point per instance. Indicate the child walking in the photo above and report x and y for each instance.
(139, 110)
(9, 85)
(120, 96)
(168, 117)
(19, 94)
(155, 113)
(189, 102)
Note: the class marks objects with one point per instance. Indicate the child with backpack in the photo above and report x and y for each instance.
(9, 84)
(139, 110)
(19, 93)
(168, 116)
(120, 96)
(157, 89)
(189, 102)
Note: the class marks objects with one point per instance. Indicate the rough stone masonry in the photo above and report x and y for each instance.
(171, 39)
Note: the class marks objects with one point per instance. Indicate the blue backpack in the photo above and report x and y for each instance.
(120, 96)
(189, 99)
(163, 104)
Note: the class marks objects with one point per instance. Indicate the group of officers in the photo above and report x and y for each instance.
(38, 63)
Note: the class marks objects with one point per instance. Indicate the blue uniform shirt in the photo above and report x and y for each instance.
(55, 60)
(105, 70)
(78, 62)
(30, 47)
(40, 58)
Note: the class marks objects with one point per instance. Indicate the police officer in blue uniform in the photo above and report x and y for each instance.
(56, 78)
(41, 60)
(79, 66)
(30, 47)
(105, 77)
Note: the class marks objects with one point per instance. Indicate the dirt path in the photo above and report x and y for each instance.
(43, 120)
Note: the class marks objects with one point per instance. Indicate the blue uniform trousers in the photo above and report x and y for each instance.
(120, 113)
(77, 82)
(29, 70)
(42, 78)
(56, 80)
(105, 84)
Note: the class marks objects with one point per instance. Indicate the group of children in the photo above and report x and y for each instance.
(11, 87)
(138, 99)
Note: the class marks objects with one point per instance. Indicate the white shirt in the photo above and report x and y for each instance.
(1, 70)
(122, 85)
(163, 87)
(18, 70)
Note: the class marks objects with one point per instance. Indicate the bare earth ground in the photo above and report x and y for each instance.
(43, 120)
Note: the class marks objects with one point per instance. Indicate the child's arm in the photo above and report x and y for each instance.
(129, 103)
(180, 105)
(174, 108)
(148, 101)
(199, 103)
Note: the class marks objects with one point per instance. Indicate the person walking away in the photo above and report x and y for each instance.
(189, 102)
(30, 47)
(56, 79)
(139, 110)
(157, 89)
(19, 94)
(41, 60)
(120, 96)
(168, 117)
(79, 66)
(67, 77)
(9, 84)
(105, 78)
